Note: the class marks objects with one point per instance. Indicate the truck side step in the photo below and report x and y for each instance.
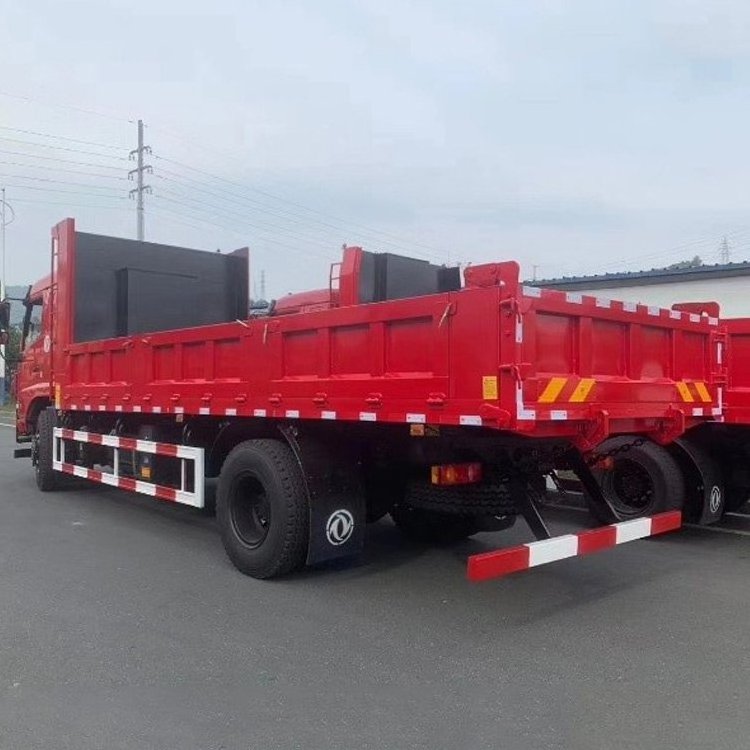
(488, 565)
(22, 452)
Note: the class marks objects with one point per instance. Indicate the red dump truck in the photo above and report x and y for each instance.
(403, 387)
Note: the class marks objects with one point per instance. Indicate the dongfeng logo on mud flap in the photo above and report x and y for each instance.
(714, 502)
(339, 527)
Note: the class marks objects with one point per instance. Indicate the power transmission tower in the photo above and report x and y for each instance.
(137, 174)
(724, 250)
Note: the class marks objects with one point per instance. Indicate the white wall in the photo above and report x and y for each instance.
(733, 294)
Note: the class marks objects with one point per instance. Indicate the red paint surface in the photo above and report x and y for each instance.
(488, 565)
(596, 540)
(663, 522)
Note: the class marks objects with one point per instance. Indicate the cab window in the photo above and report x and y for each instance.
(32, 323)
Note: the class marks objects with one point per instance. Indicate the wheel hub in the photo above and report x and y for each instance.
(250, 511)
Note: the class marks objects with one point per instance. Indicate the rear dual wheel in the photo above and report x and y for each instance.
(643, 480)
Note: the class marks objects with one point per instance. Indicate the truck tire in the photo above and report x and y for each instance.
(644, 480)
(262, 509)
(486, 499)
(46, 478)
(429, 527)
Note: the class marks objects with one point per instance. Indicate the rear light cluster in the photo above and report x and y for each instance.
(449, 474)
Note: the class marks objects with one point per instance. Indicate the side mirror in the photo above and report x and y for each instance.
(4, 315)
(4, 338)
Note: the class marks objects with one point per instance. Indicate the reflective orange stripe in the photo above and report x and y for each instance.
(552, 391)
(684, 391)
(581, 393)
(700, 386)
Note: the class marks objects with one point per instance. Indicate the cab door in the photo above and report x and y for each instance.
(33, 378)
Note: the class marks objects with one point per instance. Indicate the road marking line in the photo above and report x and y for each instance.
(717, 529)
(5, 424)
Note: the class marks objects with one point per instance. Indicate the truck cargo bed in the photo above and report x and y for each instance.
(495, 354)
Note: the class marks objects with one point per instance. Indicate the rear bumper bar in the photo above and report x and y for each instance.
(488, 565)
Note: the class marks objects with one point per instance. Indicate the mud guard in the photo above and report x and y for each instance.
(704, 482)
(336, 495)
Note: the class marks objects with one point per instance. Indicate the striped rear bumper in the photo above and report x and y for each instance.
(488, 565)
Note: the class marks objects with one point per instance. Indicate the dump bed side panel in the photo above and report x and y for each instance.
(381, 362)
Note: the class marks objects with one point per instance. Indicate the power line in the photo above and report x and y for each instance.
(197, 204)
(61, 138)
(223, 227)
(434, 252)
(271, 240)
(69, 107)
(63, 169)
(58, 159)
(234, 214)
(280, 212)
(61, 148)
(60, 182)
(439, 253)
(675, 250)
(69, 205)
(65, 192)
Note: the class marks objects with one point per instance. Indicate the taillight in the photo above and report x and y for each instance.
(448, 474)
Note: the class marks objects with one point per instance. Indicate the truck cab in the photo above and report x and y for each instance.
(32, 382)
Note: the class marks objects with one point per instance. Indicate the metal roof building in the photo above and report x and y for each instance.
(725, 283)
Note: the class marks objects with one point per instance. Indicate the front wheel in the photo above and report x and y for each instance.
(262, 509)
(47, 479)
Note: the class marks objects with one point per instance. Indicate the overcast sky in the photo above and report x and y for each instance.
(577, 137)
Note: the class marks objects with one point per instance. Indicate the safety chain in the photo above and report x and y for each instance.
(594, 458)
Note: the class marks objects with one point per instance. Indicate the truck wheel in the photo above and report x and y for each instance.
(429, 527)
(644, 480)
(46, 478)
(262, 509)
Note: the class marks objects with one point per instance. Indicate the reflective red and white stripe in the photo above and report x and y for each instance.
(131, 485)
(125, 443)
(185, 453)
(488, 565)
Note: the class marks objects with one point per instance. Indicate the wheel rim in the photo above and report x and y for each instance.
(249, 510)
(630, 488)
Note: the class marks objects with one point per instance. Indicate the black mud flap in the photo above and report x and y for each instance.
(337, 502)
(704, 483)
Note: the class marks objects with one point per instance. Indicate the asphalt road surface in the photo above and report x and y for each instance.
(123, 625)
